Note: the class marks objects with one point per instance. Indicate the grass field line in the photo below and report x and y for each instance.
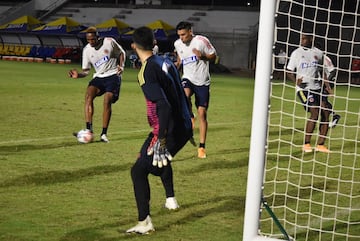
(112, 133)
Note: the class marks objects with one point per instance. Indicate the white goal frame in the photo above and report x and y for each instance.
(259, 122)
(333, 208)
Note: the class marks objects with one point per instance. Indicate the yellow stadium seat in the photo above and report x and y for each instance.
(26, 50)
(11, 50)
(5, 49)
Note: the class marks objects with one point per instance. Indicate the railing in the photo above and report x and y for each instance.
(52, 7)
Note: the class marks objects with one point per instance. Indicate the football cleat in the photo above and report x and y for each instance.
(104, 138)
(322, 148)
(171, 203)
(307, 148)
(201, 152)
(335, 120)
(143, 227)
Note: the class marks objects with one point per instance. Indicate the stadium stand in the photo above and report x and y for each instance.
(234, 36)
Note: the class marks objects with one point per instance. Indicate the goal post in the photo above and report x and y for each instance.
(259, 120)
(292, 194)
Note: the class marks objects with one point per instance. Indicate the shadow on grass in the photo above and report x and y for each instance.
(30, 147)
(53, 177)
(220, 204)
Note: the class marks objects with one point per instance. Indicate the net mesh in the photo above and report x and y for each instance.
(316, 195)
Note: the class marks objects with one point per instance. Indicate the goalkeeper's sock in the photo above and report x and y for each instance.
(202, 145)
(89, 126)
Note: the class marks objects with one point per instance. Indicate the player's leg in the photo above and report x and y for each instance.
(311, 123)
(188, 93)
(91, 93)
(203, 124)
(139, 177)
(202, 97)
(107, 111)
(323, 127)
(112, 91)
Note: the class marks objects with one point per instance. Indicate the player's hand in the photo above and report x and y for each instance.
(197, 53)
(120, 70)
(150, 149)
(161, 154)
(329, 90)
(298, 88)
(73, 73)
(299, 81)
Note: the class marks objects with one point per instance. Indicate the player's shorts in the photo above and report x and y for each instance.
(108, 84)
(309, 98)
(202, 93)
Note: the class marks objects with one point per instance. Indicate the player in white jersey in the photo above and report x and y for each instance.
(306, 61)
(108, 59)
(194, 53)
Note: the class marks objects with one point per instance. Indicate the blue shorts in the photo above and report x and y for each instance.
(309, 98)
(107, 84)
(202, 93)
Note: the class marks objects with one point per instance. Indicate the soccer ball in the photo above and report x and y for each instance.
(85, 136)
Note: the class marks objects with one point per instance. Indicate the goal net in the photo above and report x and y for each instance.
(310, 195)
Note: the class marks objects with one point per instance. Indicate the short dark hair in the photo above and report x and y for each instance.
(144, 37)
(184, 25)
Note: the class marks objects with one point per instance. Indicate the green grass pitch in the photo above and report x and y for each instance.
(53, 188)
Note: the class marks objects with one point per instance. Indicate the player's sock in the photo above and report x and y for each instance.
(201, 145)
(104, 131)
(89, 126)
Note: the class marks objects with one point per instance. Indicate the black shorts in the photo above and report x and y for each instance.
(202, 93)
(107, 84)
(310, 98)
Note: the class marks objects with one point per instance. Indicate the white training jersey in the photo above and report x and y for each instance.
(306, 62)
(105, 59)
(194, 69)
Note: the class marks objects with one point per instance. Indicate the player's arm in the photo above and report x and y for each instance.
(178, 62)
(121, 60)
(74, 73)
(327, 85)
(204, 56)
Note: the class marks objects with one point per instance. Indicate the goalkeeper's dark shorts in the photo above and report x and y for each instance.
(108, 84)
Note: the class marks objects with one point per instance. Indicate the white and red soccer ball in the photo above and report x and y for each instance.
(85, 136)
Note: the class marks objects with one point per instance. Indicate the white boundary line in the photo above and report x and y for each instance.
(112, 133)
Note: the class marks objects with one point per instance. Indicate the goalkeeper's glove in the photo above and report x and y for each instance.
(161, 154)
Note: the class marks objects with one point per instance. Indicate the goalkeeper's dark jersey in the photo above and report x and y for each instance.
(159, 80)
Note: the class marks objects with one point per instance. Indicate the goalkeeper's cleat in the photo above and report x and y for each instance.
(322, 148)
(143, 227)
(104, 138)
(307, 148)
(335, 120)
(201, 152)
(171, 203)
